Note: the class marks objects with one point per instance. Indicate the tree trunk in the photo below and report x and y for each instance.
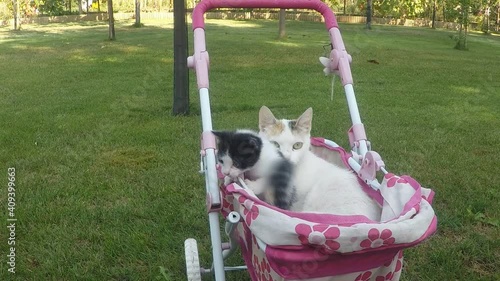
(111, 28)
(488, 18)
(369, 14)
(344, 6)
(80, 10)
(466, 32)
(181, 75)
(16, 14)
(434, 15)
(498, 16)
(282, 29)
(462, 32)
(444, 11)
(137, 13)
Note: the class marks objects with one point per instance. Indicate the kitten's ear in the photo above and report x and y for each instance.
(217, 134)
(304, 122)
(220, 136)
(248, 147)
(266, 118)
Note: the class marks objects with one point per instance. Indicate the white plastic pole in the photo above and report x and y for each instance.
(218, 260)
(211, 173)
(206, 115)
(212, 189)
(355, 118)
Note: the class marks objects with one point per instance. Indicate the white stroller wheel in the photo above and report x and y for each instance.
(192, 260)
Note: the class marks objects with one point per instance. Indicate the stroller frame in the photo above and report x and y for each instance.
(363, 161)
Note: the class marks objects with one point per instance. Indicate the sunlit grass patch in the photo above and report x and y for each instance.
(108, 179)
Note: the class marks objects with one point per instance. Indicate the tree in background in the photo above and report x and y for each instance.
(433, 14)
(181, 74)
(111, 27)
(463, 20)
(498, 16)
(282, 31)
(16, 15)
(51, 7)
(401, 9)
(490, 11)
(369, 14)
(137, 13)
(486, 17)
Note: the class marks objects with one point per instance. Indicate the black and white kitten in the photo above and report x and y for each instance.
(267, 173)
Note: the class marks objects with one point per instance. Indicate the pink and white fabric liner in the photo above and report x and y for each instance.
(283, 245)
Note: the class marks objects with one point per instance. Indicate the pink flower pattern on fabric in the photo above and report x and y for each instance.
(227, 204)
(392, 180)
(388, 276)
(399, 263)
(262, 269)
(377, 239)
(321, 235)
(250, 211)
(364, 276)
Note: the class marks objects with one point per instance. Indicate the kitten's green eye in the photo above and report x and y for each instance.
(276, 144)
(297, 145)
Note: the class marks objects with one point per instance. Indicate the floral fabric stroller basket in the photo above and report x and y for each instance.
(285, 245)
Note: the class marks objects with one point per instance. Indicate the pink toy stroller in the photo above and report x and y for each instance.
(284, 245)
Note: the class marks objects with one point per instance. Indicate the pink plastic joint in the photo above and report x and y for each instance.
(339, 58)
(200, 62)
(211, 207)
(371, 164)
(208, 140)
(356, 133)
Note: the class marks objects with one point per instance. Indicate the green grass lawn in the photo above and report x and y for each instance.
(107, 180)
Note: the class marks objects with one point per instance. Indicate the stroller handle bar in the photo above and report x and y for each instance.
(317, 5)
(337, 63)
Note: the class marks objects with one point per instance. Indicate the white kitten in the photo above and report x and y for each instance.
(320, 186)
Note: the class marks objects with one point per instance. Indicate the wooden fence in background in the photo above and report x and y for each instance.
(305, 16)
